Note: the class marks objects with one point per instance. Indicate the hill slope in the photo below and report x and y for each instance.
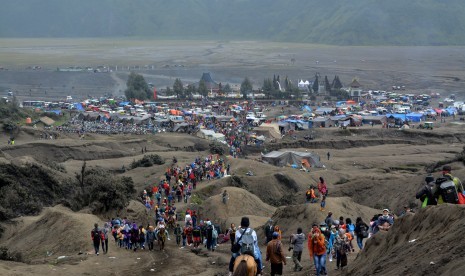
(364, 22)
(427, 243)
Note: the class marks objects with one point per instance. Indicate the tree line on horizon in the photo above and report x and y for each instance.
(137, 88)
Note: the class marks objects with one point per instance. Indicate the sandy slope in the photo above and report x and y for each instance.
(360, 177)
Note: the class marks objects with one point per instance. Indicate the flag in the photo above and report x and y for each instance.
(154, 93)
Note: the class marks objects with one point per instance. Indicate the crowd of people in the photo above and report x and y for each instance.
(332, 239)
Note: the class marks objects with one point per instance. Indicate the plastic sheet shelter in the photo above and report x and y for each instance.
(289, 158)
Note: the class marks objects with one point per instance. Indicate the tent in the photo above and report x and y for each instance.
(47, 121)
(376, 120)
(415, 117)
(284, 158)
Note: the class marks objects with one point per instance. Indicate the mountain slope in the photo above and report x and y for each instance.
(363, 22)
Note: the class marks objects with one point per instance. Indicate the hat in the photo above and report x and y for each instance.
(245, 222)
(275, 235)
(429, 179)
(387, 210)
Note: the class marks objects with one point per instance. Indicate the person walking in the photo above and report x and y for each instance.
(361, 231)
(317, 249)
(225, 197)
(178, 233)
(150, 237)
(97, 236)
(269, 229)
(340, 246)
(297, 244)
(247, 238)
(275, 255)
(232, 233)
(105, 231)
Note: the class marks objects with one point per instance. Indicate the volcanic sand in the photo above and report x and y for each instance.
(369, 169)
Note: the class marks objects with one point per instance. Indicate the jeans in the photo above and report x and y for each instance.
(105, 246)
(296, 255)
(96, 247)
(360, 242)
(150, 245)
(320, 263)
(178, 239)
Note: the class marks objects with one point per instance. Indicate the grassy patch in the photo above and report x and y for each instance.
(195, 199)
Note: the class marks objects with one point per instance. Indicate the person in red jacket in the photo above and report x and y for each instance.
(317, 249)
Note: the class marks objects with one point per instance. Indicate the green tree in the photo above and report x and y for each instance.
(191, 90)
(316, 84)
(168, 91)
(246, 87)
(227, 88)
(137, 87)
(327, 85)
(178, 88)
(203, 88)
(336, 84)
(268, 87)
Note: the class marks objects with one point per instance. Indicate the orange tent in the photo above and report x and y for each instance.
(175, 112)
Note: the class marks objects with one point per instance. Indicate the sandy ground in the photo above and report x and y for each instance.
(369, 169)
(419, 69)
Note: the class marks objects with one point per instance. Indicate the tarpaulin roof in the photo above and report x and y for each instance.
(284, 158)
(78, 106)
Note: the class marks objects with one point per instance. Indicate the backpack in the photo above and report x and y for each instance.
(363, 231)
(247, 243)
(351, 227)
(96, 235)
(214, 233)
(449, 193)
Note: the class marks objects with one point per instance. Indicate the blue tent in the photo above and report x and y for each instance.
(415, 117)
(307, 108)
(451, 110)
(78, 106)
(123, 103)
(57, 112)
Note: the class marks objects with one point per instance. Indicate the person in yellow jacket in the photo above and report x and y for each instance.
(446, 172)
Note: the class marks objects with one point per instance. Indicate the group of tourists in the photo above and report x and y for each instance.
(320, 192)
(332, 239)
(180, 181)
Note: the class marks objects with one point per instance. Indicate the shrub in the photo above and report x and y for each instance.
(148, 161)
(103, 192)
(25, 190)
(216, 149)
